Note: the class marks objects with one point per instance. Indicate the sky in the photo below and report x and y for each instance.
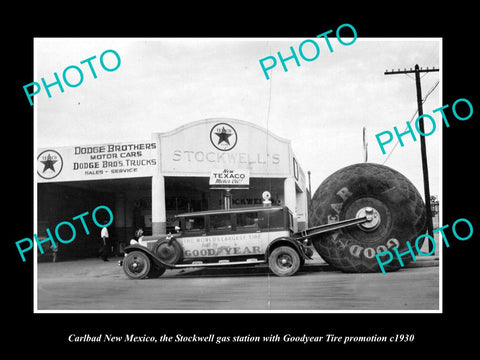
(321, 106)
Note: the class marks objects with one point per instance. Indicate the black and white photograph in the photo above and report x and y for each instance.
(225, 190)
(305, 188)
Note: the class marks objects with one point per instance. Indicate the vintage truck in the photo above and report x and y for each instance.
(356, 213)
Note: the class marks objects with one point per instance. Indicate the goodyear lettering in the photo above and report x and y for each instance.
(355, 250)
(344, 193)
(223, 251)
(358, 251)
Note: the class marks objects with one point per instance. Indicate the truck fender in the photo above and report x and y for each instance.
(286, 241)
(149, 253)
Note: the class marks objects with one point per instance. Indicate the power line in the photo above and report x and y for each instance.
(430, 91)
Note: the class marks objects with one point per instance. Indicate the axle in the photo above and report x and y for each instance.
(369, 221)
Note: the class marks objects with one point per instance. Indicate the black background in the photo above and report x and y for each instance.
(46, 334)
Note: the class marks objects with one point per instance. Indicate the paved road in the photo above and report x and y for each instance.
(95, 285)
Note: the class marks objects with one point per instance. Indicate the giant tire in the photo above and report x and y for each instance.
(400, 207)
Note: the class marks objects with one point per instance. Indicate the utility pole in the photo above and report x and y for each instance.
(423, 148)
(309, 198)
(365, 144)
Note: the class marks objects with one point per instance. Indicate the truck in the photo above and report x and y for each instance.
(357, 212)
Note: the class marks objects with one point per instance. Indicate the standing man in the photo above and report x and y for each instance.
(54, 251)
(105, 242)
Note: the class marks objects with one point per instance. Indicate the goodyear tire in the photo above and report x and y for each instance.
(170, 252)
(284, 261)
(136, 265)
(400, 216)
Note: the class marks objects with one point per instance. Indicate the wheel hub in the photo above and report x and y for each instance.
(285, 261)
(373, 218)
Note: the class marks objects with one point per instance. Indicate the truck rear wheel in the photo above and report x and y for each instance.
(398, 211)
(284, 261)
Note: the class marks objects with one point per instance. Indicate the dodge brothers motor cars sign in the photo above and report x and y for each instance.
(103, 161)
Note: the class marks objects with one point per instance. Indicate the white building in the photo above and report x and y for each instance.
(146, 183)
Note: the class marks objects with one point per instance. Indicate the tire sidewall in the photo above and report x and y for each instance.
(143, 259)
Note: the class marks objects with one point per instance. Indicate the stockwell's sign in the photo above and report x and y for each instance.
(203, 147)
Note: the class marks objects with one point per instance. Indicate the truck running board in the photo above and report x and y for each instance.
(223, 263)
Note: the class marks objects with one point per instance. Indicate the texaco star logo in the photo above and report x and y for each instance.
(49, 164)
(223, 136)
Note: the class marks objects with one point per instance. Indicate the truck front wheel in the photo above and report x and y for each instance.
(136, 265)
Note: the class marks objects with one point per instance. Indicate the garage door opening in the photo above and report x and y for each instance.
(129, 199)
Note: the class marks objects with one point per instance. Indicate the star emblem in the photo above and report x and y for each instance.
(48, 163)
(52, 164)
(223, 136)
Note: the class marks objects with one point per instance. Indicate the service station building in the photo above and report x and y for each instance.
(204, 165)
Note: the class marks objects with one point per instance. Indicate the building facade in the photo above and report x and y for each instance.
(204, 165)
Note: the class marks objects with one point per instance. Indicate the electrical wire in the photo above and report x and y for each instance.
(430, 91)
